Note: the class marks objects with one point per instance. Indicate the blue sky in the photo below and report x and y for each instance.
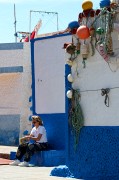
(67, 10)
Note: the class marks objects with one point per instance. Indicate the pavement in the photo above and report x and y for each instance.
(4, 161)
(25, 173)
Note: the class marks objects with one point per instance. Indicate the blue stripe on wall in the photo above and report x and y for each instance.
(9, 129)
(50, 37)
(97, 155)
(11, 46)
(13, 69)
(68, 86)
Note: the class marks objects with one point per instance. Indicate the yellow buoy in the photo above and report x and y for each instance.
(87, 4)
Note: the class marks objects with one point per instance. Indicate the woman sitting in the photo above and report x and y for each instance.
(27, 149)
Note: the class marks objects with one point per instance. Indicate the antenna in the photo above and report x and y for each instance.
(45, 12)
(15, 34)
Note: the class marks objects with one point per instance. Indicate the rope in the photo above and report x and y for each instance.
(92, 90)
(111, 68)
(92, 46)
(105, 93)
(76, 117)
(84, 63)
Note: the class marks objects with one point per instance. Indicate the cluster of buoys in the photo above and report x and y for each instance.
(70, 92)
(86, 27)
(88, 13)
(88, 10)
(83, 31)
(76, 27)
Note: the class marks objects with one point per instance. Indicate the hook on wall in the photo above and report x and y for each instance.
(105, 92)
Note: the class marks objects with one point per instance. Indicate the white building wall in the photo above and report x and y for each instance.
(12, 57)
(90, 80)
(49, 75)
(15, 87)
(25, 124)
(10, 93)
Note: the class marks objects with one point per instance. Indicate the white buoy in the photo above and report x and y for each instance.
(69, 94)
(69, 62)
(70, 78)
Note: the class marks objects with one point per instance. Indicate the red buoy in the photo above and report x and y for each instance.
(83, 32)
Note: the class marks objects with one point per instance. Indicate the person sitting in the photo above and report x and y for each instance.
(27, 149)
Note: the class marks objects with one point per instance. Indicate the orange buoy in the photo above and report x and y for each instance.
(83, 32)
(87, 4)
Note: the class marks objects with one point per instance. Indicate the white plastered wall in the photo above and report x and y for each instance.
(25, 124)
(15, 88)
(49, 68)
(90, 80)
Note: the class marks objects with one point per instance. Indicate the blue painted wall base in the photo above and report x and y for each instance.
(9, 129)
(97, 154)
(46, 158)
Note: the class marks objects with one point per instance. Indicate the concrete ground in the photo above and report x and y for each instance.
(25, 173)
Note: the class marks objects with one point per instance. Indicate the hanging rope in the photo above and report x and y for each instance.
(76, 117)
(105, 92)
(92, 46)
(109, 64)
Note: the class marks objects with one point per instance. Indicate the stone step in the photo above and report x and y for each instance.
(47, 158)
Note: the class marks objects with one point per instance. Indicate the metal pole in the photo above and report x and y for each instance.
(57, 23)
(30, 25)
(15, 23)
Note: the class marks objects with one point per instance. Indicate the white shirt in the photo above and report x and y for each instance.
(40, 130)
